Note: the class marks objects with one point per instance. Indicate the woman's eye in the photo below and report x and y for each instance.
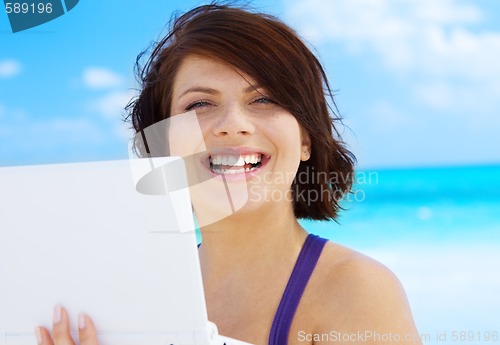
(197, 104)
(264, 100)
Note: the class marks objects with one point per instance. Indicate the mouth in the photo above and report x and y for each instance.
(233, 162)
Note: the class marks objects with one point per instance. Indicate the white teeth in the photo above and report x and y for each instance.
(232, 171)
(253, 158)
(216, 160)
(235, 160)
(240, 162)
(219, 162)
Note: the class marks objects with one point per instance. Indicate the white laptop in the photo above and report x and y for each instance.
(112, 239)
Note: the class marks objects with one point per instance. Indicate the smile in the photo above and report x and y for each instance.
(238, 162)
(223, 164)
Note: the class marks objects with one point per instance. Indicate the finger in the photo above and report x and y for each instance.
(86, 330)
(60, 327)
(43, 336)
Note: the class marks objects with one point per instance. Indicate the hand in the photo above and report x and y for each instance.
(60, 330)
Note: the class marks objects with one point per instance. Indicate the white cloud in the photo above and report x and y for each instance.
(434, 42)
(123, 131)
(101, 78)
(112, 104)
(9, 68)
(50, 133)
(386, 117)
(27, 139)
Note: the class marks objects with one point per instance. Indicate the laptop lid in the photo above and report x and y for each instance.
(81, 235)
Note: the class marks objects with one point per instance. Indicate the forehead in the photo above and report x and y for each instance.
(198, 69)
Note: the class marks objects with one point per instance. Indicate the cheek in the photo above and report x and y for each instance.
(180, 143)
(287, 139)
(289, 136)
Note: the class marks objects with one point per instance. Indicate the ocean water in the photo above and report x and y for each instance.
(438, 229)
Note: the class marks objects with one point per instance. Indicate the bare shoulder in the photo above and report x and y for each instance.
(354, 292)
(352, 272)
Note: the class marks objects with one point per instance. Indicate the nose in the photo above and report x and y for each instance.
(233, 121)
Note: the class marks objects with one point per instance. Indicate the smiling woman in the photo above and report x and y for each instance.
(258, 98)
(268, 51)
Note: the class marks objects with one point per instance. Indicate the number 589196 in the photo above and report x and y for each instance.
(24, 8)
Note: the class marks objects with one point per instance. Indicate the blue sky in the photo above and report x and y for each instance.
(417, 82)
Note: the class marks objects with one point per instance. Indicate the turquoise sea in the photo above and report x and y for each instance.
(438, 229)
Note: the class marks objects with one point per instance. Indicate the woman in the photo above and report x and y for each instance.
(258, 95)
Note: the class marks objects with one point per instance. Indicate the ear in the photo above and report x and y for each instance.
(305, 149)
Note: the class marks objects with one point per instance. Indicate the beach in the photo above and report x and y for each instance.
(438, 230)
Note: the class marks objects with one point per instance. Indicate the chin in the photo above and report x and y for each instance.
(213, 201)
(251, 203)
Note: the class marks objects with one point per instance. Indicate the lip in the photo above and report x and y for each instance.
(236, 151)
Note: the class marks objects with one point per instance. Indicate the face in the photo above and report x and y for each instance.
(248, 146)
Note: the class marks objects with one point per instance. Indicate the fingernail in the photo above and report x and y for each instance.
(81, 320)
(39, 337)
(57, 314)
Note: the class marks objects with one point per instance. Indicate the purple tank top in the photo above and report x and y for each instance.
(308, 257)
(306, 262)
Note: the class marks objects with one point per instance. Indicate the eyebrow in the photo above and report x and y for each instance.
(211, 91)
(200, 89)
(251, 88)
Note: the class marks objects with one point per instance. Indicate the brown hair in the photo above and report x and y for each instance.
(270, 52)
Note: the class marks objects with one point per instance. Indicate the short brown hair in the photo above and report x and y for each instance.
(266, 49)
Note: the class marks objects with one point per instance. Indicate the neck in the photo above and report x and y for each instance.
(249, 242)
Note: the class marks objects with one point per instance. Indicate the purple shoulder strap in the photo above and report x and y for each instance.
(308, 257)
